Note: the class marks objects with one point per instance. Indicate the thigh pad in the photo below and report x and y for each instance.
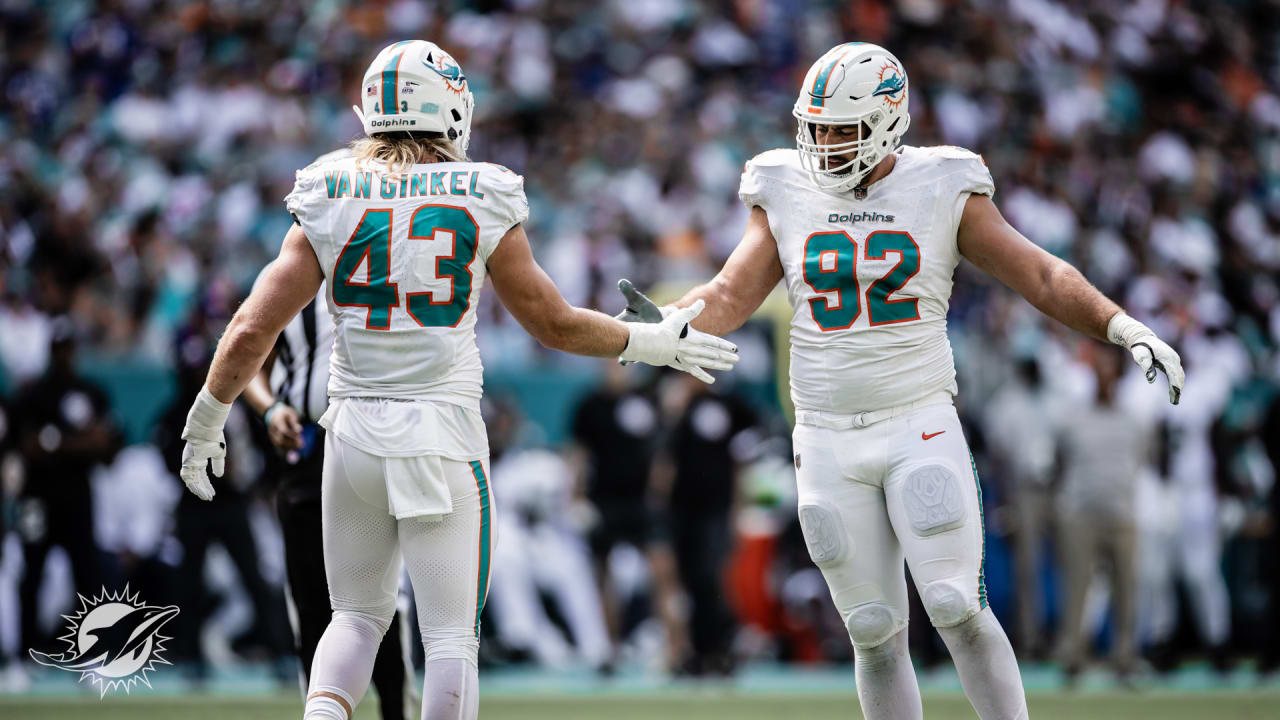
(823, 532)
(933, 499)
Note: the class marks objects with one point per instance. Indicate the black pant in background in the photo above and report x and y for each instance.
(701, 542)
(298, 505)
(224, 520)
(44, 522)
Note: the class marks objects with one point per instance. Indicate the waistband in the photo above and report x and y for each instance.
(847, 421)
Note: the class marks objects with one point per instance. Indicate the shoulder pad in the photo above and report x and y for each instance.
(964, 171)
(951, 152)
(503, 168)
(505, 190)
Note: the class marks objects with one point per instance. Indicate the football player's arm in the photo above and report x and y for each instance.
(257, 394)
(289, 283)
(533, 299)
(1058, 290)
(744, 281)
(535, 302)
(1049, 283)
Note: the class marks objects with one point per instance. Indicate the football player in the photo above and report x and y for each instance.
(866, 236)
(405, 230)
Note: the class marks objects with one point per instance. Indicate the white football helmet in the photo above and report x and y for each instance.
(414, 86)
(856, 84)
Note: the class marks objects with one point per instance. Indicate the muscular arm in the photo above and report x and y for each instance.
(258, 392)
(743, 283)
(1052, 285)
(532, 298)
(288, 285)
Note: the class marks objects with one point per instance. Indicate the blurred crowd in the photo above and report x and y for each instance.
(145, 147)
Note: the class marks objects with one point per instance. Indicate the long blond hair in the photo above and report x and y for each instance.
(402, 151)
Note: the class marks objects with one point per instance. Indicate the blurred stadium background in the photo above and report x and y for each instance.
(145, 146)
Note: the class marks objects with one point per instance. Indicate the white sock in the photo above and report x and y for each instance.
(887, 686)
(450, 690)
(343, 661)
(987, 667)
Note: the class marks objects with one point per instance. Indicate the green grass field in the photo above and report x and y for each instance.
(680, 704)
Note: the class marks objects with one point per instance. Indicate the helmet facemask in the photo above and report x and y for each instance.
(841, 165)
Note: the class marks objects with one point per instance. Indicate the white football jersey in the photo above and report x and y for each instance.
(404, 259)
(869, 280)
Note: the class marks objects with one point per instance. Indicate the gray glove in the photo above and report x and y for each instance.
(639, 307)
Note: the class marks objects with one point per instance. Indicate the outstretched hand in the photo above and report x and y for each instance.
(639, 307)
(673, 342)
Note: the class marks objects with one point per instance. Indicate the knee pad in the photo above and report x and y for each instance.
(871, 624)
(450, 644)
(946, 604)
(365, 622)
(933, 500)
(823, 533)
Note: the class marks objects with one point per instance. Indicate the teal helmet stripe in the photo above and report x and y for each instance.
(820, 82)
(390, 103)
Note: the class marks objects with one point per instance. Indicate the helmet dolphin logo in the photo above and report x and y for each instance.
(890, 86)
(452, 73)
(126, 636)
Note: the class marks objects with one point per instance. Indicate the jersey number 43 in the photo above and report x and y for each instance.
(831, 265)
(371, 243)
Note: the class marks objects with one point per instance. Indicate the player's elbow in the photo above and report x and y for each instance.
(732, 305)
(1052, 275)
(553, 338)
(247, 334)
(553, 330)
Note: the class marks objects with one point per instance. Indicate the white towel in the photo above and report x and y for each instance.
(416, 486)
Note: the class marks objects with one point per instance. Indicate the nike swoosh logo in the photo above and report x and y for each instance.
(930, 436)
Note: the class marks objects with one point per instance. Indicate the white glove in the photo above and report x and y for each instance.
(640, 309)
(1150, 352)
(205, 443)
(672, 342)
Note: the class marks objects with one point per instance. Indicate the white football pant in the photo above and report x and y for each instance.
(448, 558)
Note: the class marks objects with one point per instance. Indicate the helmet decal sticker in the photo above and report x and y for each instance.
(445, 67)
(892, 84)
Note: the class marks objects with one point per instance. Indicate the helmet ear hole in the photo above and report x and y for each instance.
(453, 134)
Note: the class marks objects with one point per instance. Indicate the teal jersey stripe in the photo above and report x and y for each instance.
(982, 525)
(390, 79)
(482, 577)
(820, 82)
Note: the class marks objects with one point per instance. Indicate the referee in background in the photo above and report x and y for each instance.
(290, 393)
